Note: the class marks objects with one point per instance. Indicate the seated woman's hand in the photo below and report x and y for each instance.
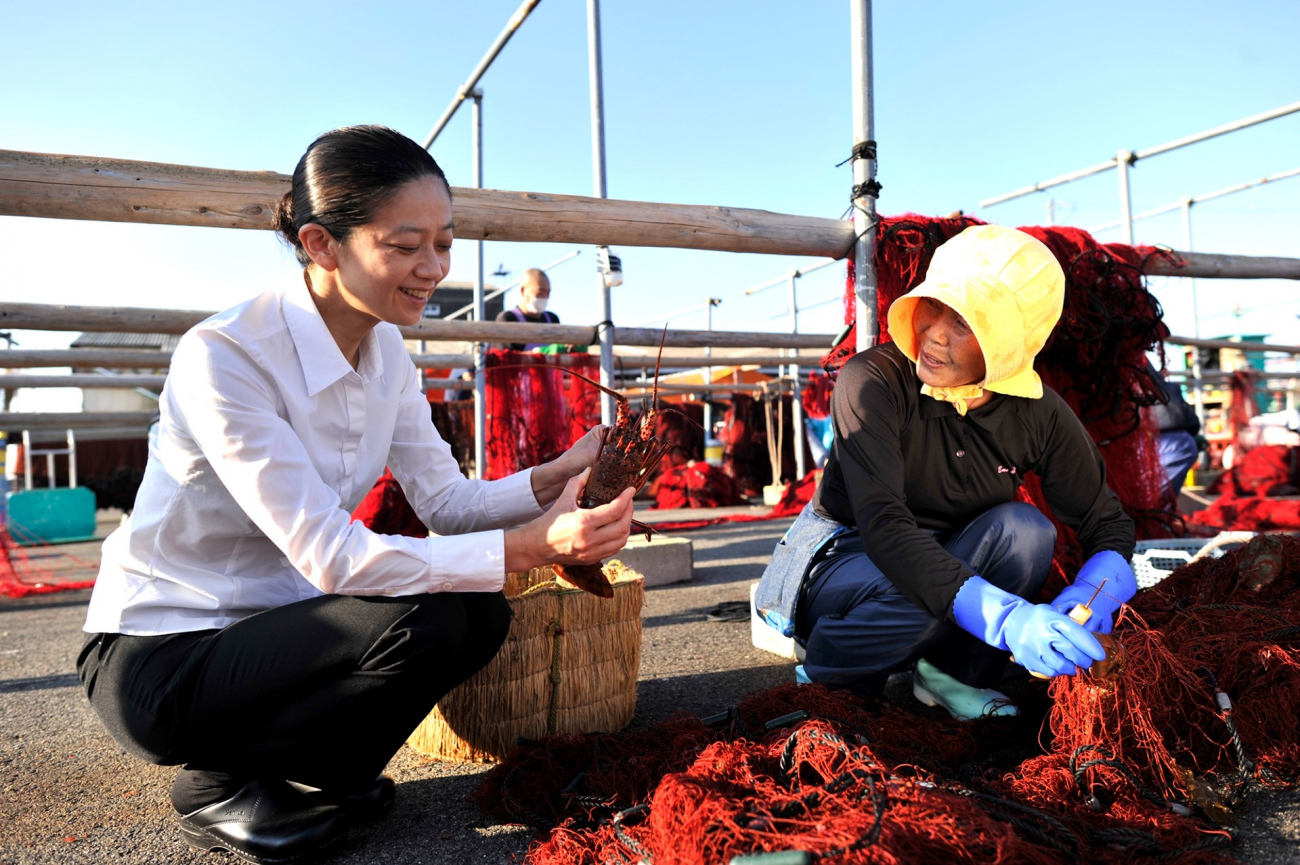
(569, 535)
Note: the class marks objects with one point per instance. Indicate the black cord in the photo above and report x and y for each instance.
(861, 150)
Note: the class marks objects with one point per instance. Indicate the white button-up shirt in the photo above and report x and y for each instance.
(268, 440)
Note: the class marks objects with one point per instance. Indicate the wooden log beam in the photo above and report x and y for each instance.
(18, 421)
(1232, 343)
(1215, 266)
(92, 380)
(122, 190)
(37, 316)
(85, 358)
(695, 361)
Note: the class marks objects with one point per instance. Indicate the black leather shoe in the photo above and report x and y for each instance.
(267, 822)
(361, 807)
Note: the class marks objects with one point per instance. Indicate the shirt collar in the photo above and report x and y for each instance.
(990, 416)
(322, 361)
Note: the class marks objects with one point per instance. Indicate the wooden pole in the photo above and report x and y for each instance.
(74, 420)
(1215, 266)
(85, 380)
(36, 316)
(113, 358)
(85, 358)
(1232, 343)
(121, 190)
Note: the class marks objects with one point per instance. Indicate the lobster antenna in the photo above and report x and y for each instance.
(654, 394)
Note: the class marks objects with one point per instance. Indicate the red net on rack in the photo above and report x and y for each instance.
(535, 413)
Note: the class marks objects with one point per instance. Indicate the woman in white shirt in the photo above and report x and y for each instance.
(241, 624)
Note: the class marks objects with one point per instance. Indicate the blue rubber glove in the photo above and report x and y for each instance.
(1121, 585)
(1041, 639)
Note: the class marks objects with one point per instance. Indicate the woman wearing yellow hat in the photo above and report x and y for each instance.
(913, 550)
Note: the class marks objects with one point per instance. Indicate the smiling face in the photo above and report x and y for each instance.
(947, 353)
(388, 267)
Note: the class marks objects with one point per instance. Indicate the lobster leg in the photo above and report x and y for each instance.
(652, 459)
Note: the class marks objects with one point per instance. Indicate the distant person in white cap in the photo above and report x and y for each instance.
(534, 293)
(913, 552)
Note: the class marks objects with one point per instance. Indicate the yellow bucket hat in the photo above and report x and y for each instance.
(1009, 288)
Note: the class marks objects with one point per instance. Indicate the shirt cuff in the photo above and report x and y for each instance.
(511, 501)
(474, 562)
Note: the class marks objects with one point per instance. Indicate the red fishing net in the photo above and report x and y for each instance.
(29, 568)
(1258, 493)
(1147, 763)
(817, 395)
(695, 484)
(534, 413)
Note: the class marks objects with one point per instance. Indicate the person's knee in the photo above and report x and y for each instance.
(488, 615)
(1034, 534)
(431, 627)
(1017, 551)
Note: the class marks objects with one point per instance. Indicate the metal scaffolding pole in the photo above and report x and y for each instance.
(480, 312)
(605, 330)
(796, 402)
(467, 89)
(1236, 125)
(1198, 397)
(1123, 160)
(865, 188)
(707, 374)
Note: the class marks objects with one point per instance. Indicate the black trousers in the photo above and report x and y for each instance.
(322, 692)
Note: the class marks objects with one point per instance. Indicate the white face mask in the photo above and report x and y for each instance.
(533, 305)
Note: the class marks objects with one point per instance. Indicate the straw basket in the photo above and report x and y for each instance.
(569, 665)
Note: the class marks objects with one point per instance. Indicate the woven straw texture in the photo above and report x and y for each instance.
(569, 665)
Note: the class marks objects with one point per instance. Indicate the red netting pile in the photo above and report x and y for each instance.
(533, 412)
(695, 484)
(1148, 763)
(26, 570)
(1258, 493)
(1095, 357)
(803, 768)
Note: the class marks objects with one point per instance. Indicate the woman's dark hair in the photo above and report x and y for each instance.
(345, 176)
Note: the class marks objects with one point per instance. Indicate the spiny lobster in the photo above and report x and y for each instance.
(628, 454)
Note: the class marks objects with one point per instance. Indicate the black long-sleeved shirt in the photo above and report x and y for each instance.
(905, 465)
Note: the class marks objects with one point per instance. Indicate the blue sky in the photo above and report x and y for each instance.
(729, 103)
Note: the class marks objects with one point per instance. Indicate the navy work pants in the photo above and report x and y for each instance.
(858, 627)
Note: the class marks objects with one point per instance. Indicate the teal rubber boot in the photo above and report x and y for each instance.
(934, 687)
(800, 676)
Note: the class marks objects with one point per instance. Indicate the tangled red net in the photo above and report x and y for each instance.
(25, 568)
(1147, 764)
(1257, 493)
(534, 413)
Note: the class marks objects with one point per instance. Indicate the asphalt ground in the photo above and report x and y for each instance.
(70, 794)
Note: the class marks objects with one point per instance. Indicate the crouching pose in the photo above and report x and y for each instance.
(241, 624)
(912, 550)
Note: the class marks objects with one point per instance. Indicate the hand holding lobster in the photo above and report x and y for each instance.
(549, 479)
(569, 535)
